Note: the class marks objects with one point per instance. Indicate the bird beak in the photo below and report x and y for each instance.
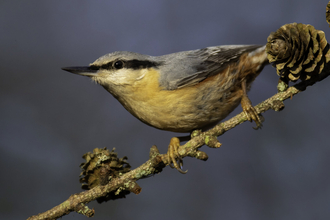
(81, 70)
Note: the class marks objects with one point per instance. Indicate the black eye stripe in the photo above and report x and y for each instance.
(141, 64)
(129, 64)
(93, 67)
(106, 66)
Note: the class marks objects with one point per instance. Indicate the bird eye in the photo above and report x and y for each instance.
(118, 64)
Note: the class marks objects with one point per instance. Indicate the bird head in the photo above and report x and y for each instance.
(120, 68)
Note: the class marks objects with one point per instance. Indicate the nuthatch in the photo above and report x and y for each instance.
(182, 91)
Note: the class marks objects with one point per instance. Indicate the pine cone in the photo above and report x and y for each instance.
(327, 13)
(298, 51)
(100, 167)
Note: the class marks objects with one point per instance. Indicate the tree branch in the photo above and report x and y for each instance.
(77, 202)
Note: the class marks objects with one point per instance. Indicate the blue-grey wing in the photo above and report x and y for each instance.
(191, 67)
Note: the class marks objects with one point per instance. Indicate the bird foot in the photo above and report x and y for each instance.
(250, 112)
(174, 156)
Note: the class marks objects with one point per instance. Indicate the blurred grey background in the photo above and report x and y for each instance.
(49, 118)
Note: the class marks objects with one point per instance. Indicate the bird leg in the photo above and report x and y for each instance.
(174, 156)
(248, 109)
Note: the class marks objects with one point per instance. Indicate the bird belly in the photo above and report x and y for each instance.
(185, 109)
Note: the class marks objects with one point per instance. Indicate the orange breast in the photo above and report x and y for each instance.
(184, 109)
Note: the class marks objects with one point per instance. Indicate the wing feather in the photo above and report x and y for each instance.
(188, 68)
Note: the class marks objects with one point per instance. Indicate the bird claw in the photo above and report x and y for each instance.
(174, 156)
(250, 112)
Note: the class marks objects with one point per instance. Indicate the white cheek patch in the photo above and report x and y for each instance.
(120, 77)
(96, 79)
(142, 74)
